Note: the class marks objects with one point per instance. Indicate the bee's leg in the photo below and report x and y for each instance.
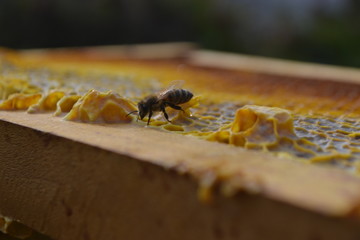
(165, 114)
(150, 114)
(174, 106)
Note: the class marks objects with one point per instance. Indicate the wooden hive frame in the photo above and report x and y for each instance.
(83, 181)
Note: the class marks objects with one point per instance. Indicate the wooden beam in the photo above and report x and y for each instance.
(80, 181)
(155, 51)
(272, 66)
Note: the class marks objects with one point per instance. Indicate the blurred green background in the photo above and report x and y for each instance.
(324, 31)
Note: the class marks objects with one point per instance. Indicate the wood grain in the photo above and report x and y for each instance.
(81, 181)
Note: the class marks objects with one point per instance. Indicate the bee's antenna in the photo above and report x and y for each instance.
(132, 113)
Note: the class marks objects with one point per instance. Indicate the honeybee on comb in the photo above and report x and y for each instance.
(170, 97)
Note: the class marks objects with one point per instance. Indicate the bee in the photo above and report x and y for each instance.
(170, 97)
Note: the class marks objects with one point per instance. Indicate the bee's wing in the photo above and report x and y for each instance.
(173, 85)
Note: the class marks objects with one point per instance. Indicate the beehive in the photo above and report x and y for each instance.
(245, 130)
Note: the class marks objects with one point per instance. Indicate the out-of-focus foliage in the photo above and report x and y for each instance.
(326, 31)
(331, 40)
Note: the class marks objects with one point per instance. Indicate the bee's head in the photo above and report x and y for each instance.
(143, 109)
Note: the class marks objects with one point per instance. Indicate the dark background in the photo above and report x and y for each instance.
(325, 31)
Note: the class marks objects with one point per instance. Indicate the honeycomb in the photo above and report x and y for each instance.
(308, 120)
(95, 106)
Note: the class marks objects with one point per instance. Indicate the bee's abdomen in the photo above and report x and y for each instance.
(179, 96)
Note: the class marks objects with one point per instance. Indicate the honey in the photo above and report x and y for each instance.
(313, 121)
